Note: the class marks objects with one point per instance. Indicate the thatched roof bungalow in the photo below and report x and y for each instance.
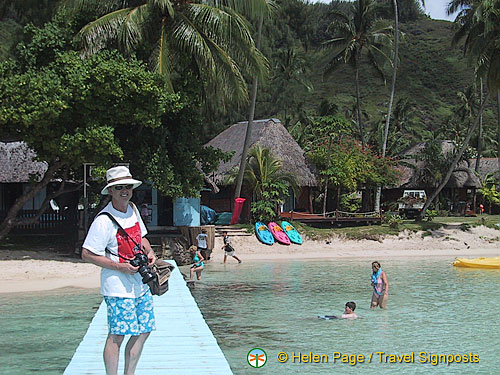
(461, 186)
(271, 134)
(411, 176)
(487, 166)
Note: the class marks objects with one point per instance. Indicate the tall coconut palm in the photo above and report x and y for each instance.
(479, 22)
(393, 90)
(264, 10)
(209, 35)
(354, 34)
(479, 26)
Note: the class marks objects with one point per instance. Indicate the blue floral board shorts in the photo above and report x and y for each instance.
(130, 316)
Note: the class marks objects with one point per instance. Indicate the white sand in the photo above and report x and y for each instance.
(36, 274)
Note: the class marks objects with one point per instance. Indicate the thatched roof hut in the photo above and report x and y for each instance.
(271, 134)
(19, 164)
(487, 166)
(411, 178)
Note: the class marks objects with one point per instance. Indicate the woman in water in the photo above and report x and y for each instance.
(198, 265)
(380, 287)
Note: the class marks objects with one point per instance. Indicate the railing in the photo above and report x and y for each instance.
(50, 222)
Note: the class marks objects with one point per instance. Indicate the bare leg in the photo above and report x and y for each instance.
(111, 353)
(225, 257)
(198, 274)
(191, 273)
(238, 259)
(133, 352)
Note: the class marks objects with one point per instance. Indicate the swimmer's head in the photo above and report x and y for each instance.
(351, 306)
(375, 266)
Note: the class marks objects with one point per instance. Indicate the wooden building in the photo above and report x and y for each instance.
(271, 134)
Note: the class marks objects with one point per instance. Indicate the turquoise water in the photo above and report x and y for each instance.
(40, 331)
(433, 307)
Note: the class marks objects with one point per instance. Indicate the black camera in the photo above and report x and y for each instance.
(141, 261)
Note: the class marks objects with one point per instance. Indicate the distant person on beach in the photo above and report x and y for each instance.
(129, 300)
(228, 248)
(198, 264)
(380, 287)
(202, 243)
(349, 311)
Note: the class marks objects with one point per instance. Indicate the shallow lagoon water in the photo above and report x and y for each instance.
(40, 331)
(433, 308)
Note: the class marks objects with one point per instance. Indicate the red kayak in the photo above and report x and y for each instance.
(278, 233)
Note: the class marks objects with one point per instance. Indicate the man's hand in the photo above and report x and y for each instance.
(151, 257)
(127, 268)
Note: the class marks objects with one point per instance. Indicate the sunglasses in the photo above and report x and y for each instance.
(119, 187)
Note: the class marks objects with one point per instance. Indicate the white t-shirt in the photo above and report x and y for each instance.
(103, 233)
(202, 240)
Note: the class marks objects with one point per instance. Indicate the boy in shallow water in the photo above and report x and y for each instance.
(349, 311)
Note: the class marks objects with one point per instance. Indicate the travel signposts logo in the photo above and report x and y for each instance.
(257, 358)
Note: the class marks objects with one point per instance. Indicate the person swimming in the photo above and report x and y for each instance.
(348, 313)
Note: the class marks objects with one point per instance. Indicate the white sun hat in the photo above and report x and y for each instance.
(119, 176)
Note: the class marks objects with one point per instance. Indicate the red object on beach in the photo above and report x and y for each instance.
(278, 233)
(238, 205)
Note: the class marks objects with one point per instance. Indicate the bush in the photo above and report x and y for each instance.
(394, 221)
(430, 214)
(263, 210)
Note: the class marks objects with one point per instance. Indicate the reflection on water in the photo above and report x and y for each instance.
(40, 331)
(433, 308)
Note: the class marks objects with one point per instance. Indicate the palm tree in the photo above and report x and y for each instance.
(393, 90)
(354, 34)
(208, 35)
(266, 179)
(264, 10)
(263, 169)
(480, 26)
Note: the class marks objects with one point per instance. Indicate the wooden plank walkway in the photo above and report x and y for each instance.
(182, 343)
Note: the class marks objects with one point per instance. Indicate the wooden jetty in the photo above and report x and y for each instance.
(182, 343)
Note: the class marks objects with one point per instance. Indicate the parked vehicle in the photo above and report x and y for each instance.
(411, 203)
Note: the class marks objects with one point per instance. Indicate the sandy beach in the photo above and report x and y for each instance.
(25, 271)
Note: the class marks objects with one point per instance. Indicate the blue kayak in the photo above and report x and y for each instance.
(291, 232)
(263, 233)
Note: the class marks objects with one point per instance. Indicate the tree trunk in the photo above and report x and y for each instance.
(251, 114)
(358, 101)
(326, 182)
(393, 90)
(455, 161)
(10, 220)
(480, 132)
(498, 128)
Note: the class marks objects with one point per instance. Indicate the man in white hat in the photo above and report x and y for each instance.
(129, 300)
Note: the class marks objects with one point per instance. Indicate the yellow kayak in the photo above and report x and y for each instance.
(478, 262)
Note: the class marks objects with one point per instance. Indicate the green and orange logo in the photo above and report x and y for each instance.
(257, 358)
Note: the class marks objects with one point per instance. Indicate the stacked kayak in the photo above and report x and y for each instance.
(291, 232)
(478, 262)
(263, 233)
(284, 234)
(278, 233)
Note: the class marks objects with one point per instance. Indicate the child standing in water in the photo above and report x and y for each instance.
(380, 287)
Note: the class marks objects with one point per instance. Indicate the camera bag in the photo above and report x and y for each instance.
(161, 269)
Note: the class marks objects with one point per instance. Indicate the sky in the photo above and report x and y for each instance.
(435, 8)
